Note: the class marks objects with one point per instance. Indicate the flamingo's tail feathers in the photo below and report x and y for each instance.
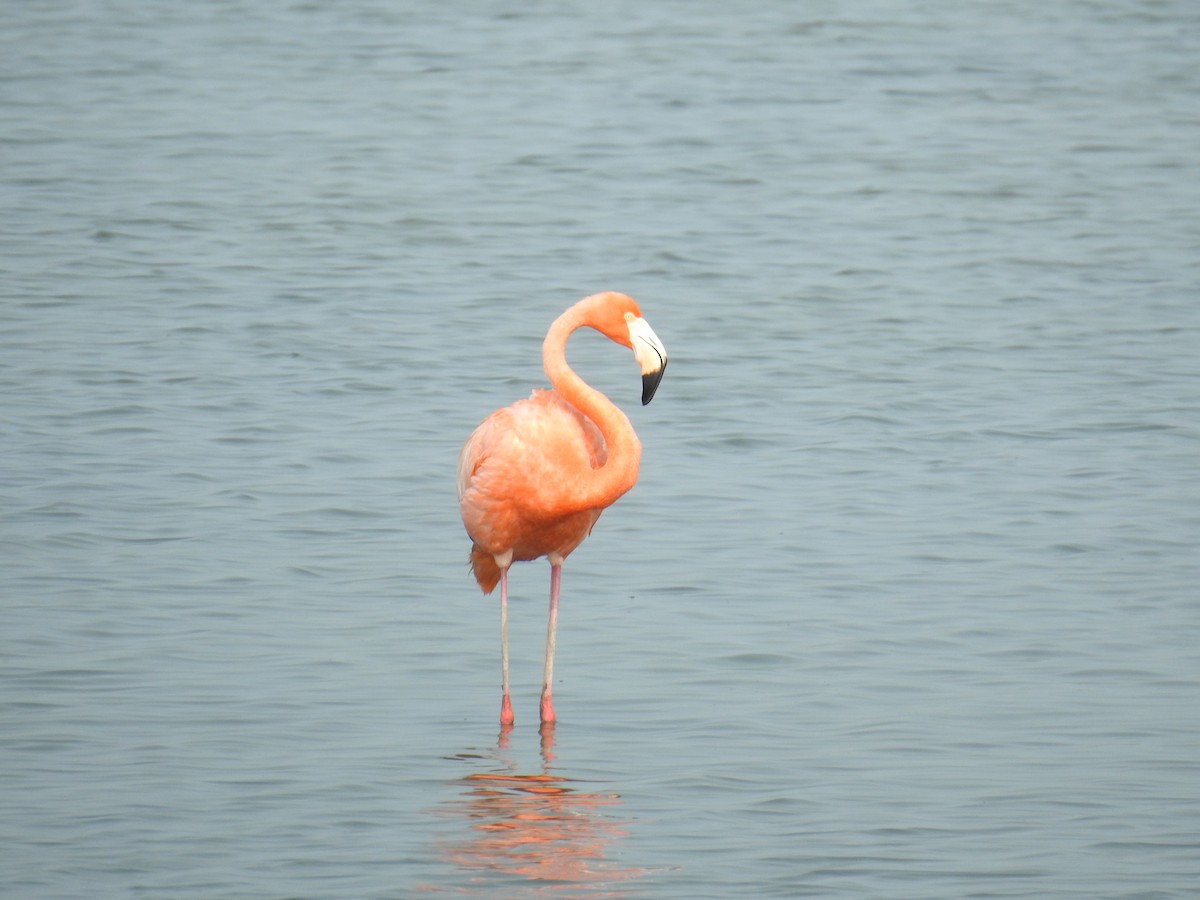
(483, 564)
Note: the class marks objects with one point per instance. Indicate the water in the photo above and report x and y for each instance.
(905, 603)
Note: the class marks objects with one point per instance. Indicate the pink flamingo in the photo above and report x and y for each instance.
(534, 477)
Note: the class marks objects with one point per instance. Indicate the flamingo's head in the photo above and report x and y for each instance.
(618, 318)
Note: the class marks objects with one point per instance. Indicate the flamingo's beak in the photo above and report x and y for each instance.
(650, 354)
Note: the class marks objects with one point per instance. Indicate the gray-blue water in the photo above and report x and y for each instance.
(907, 600)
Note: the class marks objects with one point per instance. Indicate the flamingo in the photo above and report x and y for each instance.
(534, 477)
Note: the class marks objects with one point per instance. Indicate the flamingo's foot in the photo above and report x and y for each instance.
(506, 712)
(548, 717)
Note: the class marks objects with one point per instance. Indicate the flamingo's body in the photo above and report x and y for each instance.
(534, 477)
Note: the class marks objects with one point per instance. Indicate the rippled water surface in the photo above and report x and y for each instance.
(906, 601)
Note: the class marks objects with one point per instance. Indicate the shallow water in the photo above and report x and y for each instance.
(905, 603)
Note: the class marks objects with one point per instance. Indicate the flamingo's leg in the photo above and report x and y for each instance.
(551, 628)
(506, 713)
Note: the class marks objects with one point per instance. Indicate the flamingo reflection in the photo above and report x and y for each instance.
(543, 828)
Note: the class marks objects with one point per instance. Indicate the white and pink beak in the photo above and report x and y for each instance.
(650, 354)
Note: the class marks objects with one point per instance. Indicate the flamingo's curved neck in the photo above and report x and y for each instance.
(601, 486)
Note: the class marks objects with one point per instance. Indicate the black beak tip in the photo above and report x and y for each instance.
(650, 383)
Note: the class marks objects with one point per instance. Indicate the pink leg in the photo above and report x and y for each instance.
(551, 628)
(506, 713)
